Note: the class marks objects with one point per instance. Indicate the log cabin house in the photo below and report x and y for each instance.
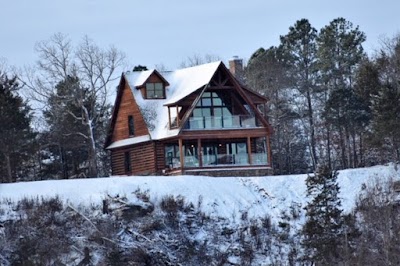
(199, 120)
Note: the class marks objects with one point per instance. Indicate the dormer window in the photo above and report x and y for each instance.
(155, 90)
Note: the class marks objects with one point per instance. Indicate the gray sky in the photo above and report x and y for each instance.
(166, 32)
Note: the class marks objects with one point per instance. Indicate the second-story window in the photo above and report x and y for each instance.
(211, 104)
(155, 90)
(131, 126)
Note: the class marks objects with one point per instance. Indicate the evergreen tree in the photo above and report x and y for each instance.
(17, 139)
(367, 85)
(268, 73)
(324, 222)
(299, 47)
(385, 102)
(140, 68)
(67, 141)
(340, 52)
(386, 122)
(344, 109)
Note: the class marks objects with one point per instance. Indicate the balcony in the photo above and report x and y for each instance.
(221, 160)
(220, 122)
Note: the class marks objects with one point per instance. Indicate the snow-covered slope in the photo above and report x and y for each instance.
(227, 197)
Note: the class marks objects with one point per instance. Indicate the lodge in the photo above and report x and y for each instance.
(199, 120)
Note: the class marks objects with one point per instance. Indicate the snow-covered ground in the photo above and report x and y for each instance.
(226, 197)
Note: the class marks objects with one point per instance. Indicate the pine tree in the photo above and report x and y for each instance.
(323, 228)
(67, 140)
(299, 47)
(16, 136)
(386, 102)
(339, 53)
(386, 122)
(267, 72)
(346, 110)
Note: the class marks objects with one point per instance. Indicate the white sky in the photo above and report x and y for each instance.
(166, 32)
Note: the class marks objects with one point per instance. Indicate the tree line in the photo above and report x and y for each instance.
(330, 103)
(60, 133)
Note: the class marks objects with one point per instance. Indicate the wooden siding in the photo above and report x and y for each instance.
(128, 107)
(118, 162)
(160, 157)
(142, 160)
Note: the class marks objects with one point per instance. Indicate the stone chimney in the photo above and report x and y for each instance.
(236, 66)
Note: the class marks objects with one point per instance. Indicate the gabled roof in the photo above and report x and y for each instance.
(139, 78)
(182, 83)
(188, 80)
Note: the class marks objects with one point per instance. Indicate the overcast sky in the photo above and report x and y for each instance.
(166, 32)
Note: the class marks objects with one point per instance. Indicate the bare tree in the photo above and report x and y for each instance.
(94, 67)
(197, 59)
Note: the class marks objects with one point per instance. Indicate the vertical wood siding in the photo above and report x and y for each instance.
(128, 107)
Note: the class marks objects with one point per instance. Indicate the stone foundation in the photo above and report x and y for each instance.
(231, 172)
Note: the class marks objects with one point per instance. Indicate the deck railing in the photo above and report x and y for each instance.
(223, 160)
(219, 122)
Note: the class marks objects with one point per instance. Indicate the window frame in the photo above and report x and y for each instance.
(209, 103)
(153, 90)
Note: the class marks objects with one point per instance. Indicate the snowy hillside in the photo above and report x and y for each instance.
(180, 220)
(219, 197)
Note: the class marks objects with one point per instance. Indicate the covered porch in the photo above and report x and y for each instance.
(196, 154)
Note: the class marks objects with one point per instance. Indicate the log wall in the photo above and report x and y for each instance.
(142, 160)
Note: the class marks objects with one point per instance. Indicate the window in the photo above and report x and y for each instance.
(127, 162)
(211, 104)
(131, 126)
(172, 157)
(155, 91)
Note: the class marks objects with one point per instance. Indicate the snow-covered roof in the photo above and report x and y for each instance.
(182, 82)
(139, 77)
(127, 142)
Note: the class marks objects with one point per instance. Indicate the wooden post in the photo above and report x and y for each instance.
(269, 159)
(169, 117)
(181, 153)
(249, 150)
(178, 122)
(199, 153)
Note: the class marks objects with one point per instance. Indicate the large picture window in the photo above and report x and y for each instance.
(155, 90)
(211, 104)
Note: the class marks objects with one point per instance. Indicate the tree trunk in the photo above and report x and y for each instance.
(8, 167)
(328, 147)
(92, 156)
(349, 156)
(312, 130)
(342, 148)
(355, 157)
(361, 151)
